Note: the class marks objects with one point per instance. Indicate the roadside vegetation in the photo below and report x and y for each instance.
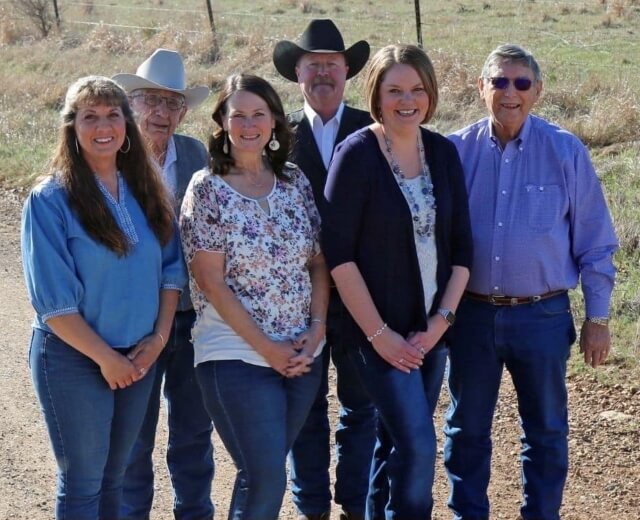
(589, 51)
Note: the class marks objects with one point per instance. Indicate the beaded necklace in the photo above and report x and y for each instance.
(423, 210)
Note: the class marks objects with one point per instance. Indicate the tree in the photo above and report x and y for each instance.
(37, 12)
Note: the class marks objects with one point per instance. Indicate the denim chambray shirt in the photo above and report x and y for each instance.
(67, 272)
(538, 215)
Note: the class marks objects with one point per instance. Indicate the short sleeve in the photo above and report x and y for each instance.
(49, 267)
(201, 227)
(174, 271)
(304, 187)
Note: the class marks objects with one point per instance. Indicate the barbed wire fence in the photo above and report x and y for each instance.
(420, 21)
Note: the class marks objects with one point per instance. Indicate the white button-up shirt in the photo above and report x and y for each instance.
(324, 133)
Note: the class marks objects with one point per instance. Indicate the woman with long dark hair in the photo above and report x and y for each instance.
(103, 269)
(250, 232)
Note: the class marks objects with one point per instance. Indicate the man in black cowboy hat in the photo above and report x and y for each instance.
(321, 65)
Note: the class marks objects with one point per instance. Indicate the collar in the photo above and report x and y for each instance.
(172, 155)
(522, 137)
(312, 115)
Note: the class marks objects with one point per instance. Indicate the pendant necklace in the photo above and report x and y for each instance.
(422, 210)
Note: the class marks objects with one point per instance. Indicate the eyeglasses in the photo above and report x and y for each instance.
(522, 84)
(153, 100)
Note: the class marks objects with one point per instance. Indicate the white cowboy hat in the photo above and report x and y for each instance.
(164, 70)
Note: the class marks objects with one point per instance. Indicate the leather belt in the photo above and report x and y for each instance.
(499, 299)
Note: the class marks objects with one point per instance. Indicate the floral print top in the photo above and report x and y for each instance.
(266, 258)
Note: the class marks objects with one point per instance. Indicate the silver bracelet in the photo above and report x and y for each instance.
(161, 338)
(377, 333)
(317, 320)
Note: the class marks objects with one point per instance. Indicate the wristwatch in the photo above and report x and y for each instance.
(599, 320)
(447, 315)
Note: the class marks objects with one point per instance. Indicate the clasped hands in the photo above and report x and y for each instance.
(293, 358)
(122, 371)
(406, 354)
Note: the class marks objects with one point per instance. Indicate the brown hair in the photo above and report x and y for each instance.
(403, 54)
(221, 162)
(135, 165)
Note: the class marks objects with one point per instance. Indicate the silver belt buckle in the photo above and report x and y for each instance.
(514, 301)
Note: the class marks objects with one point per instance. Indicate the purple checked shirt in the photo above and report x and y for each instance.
(538, 215)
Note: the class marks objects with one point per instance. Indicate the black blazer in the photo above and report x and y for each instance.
(305, 151)
(367, 221)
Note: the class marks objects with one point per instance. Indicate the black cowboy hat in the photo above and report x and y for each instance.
(319, 36)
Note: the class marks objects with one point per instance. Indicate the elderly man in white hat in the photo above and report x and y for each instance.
(321, 65)
(160, 99)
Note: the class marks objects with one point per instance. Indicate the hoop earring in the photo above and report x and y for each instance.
(77, 147)
(274, 144)
(225, 144)
(128, 145)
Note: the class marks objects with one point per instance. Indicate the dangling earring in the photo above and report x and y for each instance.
(225, 144)
(128, 145)
(77, 147)
(274, 144)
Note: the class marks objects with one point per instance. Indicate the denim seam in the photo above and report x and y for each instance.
(234, 499)
(55, 417)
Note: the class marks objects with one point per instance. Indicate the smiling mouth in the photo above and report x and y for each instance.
(103, 140)
(253, 137)
(510, 106)
(407, 113)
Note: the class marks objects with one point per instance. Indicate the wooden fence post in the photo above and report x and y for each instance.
(210, 11)
(57, 13)
(418, 23)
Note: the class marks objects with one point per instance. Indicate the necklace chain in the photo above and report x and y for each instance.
(422, 210)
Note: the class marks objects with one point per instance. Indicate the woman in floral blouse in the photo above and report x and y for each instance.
(250, 233)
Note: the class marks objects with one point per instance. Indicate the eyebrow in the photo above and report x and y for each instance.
(419, 84)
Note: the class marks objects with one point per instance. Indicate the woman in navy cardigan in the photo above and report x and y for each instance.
(397, 238)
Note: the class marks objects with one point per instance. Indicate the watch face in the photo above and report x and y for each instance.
(447, 315)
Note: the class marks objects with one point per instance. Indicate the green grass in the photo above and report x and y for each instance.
(589, 52)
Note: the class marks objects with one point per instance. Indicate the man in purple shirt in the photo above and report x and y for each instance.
(539, 222)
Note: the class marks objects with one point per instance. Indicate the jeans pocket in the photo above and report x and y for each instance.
(555, 306)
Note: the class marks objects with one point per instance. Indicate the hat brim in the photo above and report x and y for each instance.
(286, 55)
(192, 96)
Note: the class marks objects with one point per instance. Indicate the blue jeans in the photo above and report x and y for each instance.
(92, 428)
(404, 457)
(189, 450)
(533, 342)
(258, 414)
(310, 456)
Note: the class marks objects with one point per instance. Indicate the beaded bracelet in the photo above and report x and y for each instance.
(377, 333)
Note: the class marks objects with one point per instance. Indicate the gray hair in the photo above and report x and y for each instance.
(511, 53)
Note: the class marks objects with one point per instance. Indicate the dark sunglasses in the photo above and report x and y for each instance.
(522, 84)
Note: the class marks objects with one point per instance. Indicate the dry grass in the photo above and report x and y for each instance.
(588, 52)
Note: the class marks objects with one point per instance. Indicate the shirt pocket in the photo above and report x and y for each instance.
(543, 206)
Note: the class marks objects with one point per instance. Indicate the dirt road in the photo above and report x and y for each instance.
(604, 479)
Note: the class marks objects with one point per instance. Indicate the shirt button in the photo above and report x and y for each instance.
(497, 258)
(499, 224)
(504, 192)
(506, 160)
(495, 288)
